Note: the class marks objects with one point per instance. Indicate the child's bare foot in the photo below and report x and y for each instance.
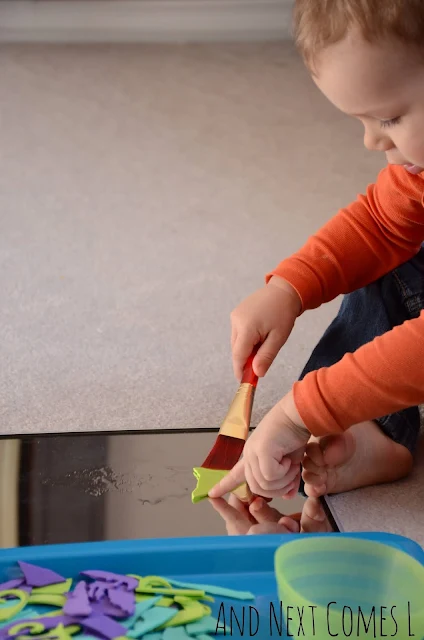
(360, 457)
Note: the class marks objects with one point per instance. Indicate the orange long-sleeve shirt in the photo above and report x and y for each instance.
(375, 234)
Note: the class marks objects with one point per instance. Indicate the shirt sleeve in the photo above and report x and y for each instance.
(378, 232)
(381, 377)
(374, 235)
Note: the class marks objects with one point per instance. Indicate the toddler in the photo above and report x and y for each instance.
(352, 419)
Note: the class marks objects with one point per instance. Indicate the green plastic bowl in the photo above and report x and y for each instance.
(352, 587)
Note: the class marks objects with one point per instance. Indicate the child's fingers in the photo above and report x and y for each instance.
(269, 471)
(267, 353)
(242, 349)
(223, 508)
(241, 507)
(293, 489)
(236, 503)
(230, 482)
(297, 456)
(236, 522)
(233, 336)
(275, 474)
(262, 512)
(290, 479)
(292, 525)
(228, 512)
(258, 485)
(267, 527)
(287, 487)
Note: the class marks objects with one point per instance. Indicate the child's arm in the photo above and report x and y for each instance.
(372, 236)
(361, 243)
(383, 376)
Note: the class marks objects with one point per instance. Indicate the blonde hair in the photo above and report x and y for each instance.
(320, 23)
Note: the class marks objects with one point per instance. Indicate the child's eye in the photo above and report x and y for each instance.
(389, 123)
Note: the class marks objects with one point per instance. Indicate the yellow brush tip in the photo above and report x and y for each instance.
(206, 479)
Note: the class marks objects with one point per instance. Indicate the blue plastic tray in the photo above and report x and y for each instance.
(240, 562)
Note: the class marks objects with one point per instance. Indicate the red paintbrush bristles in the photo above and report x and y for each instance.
(228, 448)
(225, 453)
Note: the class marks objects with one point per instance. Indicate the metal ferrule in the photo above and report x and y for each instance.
(237, 420)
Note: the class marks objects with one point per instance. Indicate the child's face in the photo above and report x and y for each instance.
(383, 86)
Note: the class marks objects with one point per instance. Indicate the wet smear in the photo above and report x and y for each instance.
(95, 481)
(99, 481)
(155, 501)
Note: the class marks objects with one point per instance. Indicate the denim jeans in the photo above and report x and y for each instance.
(368, 313)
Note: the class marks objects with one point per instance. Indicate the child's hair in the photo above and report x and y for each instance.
(319, 23)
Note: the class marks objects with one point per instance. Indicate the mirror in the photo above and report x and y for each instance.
(86, 487)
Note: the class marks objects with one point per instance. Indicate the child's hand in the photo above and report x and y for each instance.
(267, 317)
(271, 456)
(259, 518)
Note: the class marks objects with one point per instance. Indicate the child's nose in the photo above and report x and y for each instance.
(377, 141)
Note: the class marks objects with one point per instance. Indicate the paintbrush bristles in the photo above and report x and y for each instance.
(225, 453)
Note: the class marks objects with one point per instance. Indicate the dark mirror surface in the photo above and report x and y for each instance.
(86, 487)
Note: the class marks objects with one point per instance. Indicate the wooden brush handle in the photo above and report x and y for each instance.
(249, 375)
(245, 495)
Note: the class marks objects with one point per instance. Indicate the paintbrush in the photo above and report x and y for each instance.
(231, 439)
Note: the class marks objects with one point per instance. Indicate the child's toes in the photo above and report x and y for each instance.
(314, 455)
(314, 471)
(315, 487)
(314, 510)
(309, 467)
(272, 527)
(337, 450)
(313, 519)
